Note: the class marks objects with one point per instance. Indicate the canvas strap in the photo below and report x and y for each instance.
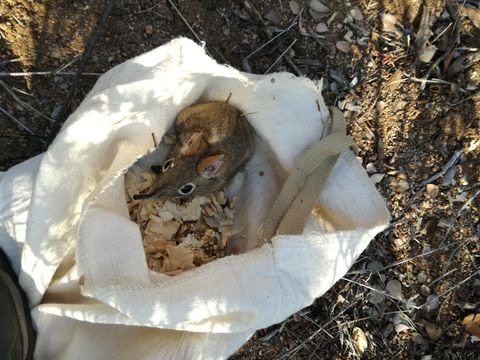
(300, 192)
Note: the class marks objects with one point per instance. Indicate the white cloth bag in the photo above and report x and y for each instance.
(64, 221)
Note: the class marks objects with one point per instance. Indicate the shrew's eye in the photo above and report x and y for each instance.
(167, 164)
(187, 189)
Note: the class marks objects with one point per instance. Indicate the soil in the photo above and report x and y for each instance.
(406, 134)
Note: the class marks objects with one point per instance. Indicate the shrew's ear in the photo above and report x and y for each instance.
(210, 166)
(193, 143)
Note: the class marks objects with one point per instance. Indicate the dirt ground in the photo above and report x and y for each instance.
(406, 73)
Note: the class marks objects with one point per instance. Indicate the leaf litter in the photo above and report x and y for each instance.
(177, 234)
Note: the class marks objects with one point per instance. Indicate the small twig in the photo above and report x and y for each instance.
(293, 66)
(3, 62)
(20, 91)
(431, 81)
(460, 283)
(440, 35)
(68, 64)
(309, 319)
(454, 220)
(281, 55)
(444, 170)
(370, 317)
(149, 9)
(419, 256)
(19, 123)
(434, 65)
(270, 335)
(384, 293)
(464, 100)
(51, 73)
(253, 10)
(456, 155)
(441, 277)
(188, 26)
(154, 139)
(312, 336)
(272, 39)
(380, 153)
(86, 55)
(23, 103)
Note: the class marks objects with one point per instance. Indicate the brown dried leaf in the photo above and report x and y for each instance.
(359, 340)
(159, 228)
(424, 32)
(294, 7)
(394, 288)
(157, 246)
(212, 221)
(433, 330)
(179, 258)
(432, 190)
(402, 186)
(389, 24)
(472, 324)
(474, 15)
(343, 46)
(179, 235)
(376, 178)
(356, 14)
(427, 53)
(401, 328)
(376, 297)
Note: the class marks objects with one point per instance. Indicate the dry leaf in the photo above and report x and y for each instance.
(159, 228)
(394, 288)
(273, 17)
(371, 169)
(419, 339)
(432, 190)
(424, 32)
(321, 28)
(179, 235)
(317, 16)
(427, 53)
(472, 324)
(348, 36)
(474, 15)
(343, 46)
(401, 328)
(433, 330)
(356, 14)
(191, 241)
(381, 106)
(376, 266)
(294, 7)
(376, 297)
(318, 6)
(179, 258)
(432, 302)
(359, 340)
(156, 246)
(389, 24)
(56, 54)
(402, 186)
(463, 62)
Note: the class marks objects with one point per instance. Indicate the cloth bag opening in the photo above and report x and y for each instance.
(82, 257)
